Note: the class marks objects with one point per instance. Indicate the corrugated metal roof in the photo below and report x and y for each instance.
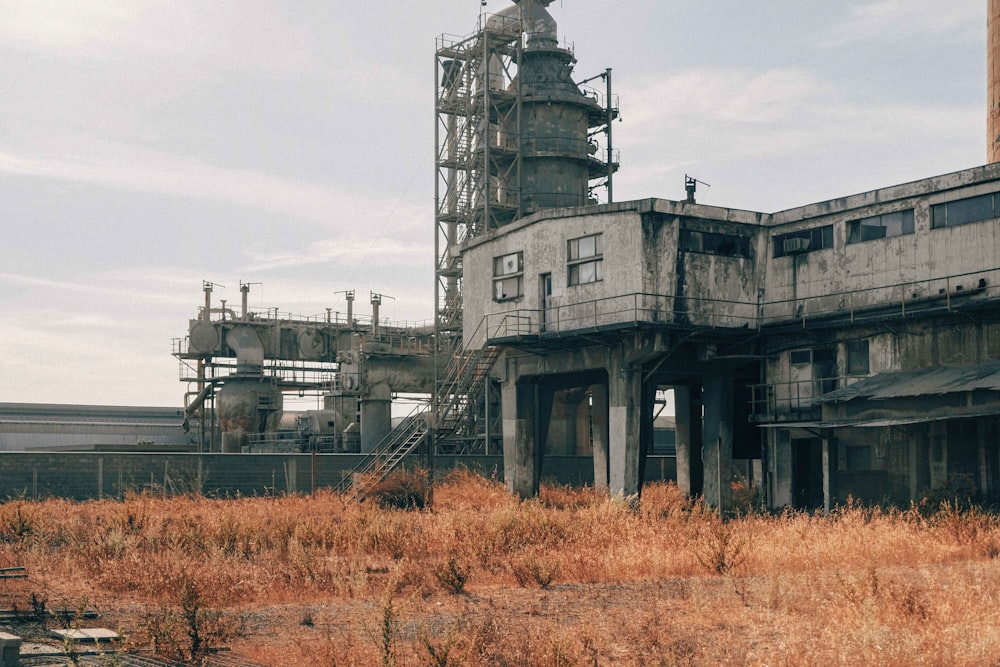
(880, 422)
(924, 382)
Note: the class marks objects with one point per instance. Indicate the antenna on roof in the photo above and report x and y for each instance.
(691, 185)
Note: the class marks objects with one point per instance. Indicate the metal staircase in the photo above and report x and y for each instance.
(462, 387)
(377, 465)
(464, 380)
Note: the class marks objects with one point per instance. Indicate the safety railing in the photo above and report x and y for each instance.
(794, 400)
(643, 308)
(620, 311)
(903, 298)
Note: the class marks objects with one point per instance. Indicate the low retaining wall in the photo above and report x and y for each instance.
(87, 475)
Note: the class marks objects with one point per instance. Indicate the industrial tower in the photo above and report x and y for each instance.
(514, 135)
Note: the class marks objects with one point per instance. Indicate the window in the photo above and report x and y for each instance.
(710, 243)
(880, 226)
(586, 259)
(806, 240)
(857, 357)
(508, 276)
(964, 211)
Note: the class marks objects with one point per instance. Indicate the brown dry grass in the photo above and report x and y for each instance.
(572, 578)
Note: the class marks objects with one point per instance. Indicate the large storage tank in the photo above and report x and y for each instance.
(247, 406)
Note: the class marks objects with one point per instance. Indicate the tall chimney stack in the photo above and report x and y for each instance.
(993, 82)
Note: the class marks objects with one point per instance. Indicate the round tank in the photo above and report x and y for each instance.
(247, 406)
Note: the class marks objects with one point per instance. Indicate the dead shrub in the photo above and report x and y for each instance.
(536, 568)
(452, 575)
(721, 547)
(563, 496)
(403, 489)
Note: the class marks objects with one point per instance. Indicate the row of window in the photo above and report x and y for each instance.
(585, 255)
(584, 264)
(897, 223)
(824, 359)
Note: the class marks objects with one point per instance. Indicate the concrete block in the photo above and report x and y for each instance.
(10, 650)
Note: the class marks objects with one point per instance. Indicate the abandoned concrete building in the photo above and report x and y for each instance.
(847, 348)
(852, 345)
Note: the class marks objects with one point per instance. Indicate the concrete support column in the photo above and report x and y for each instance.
(781, 468)
(376, 416)
(599, 412)
(520, 460)
(687, 406)
(717, 439)
(827, 473)
(625, 402)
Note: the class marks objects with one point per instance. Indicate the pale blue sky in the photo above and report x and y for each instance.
(147, 145)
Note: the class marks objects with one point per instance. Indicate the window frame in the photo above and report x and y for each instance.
(823, 233)
(508, 275)
(940, 218)
(855, 228)
(577, 263)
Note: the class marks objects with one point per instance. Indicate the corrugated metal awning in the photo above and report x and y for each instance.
(881, 422)
(924, 382)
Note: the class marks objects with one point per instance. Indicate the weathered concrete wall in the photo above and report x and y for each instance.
(93, 475)
(884, 271)
(543, 239)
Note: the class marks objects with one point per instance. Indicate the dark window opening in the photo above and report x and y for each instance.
(880, 226)
(806, 240)
(711, 243)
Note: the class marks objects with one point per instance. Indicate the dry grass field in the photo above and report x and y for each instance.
(572, 578)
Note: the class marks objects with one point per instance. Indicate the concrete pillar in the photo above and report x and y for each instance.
(717, 439)
(827, 487)
(599, 415)
(687, 406)
(376, 416)
(520, 461)
(781, 468)
(10, 650)
(625, 414)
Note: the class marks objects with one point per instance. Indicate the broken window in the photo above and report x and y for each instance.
(508, 276)
(585, 260)
(880, 226)
(711, 243)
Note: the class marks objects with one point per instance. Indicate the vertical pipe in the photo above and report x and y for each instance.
(611, 117)
(207, 312)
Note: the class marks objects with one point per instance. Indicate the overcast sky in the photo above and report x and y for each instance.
(147, 145)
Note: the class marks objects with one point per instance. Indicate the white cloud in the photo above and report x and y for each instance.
(127, 167)
(891, 20)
